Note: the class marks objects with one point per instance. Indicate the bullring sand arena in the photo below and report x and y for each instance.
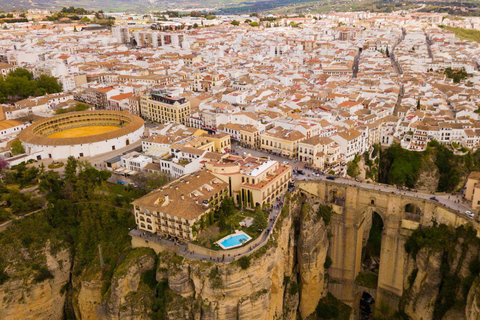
(81, 134)
(82, 131)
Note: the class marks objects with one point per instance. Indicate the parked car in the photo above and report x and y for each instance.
(434, 199)
(331, 178)
(285, 162)
(299, 171)
(469, 213)
(121, 182)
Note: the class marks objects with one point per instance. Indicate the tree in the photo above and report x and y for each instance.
(254, 24)
(49, 84)
(17, 148)
(195, 25)
(71, 169)
(20, 72)
(387, 52)
(418, 104)
(227, 206)
(235, 23)
(260, 220)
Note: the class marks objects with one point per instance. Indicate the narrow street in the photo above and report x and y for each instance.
(356, 63)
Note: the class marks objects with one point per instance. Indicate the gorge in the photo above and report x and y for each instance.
(313, 267)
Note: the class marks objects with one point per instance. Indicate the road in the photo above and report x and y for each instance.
(356, 63)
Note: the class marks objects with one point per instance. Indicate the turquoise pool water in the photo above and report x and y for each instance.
(235, 240)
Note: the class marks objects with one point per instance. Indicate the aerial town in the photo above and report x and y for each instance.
(238, 100)
(237, 113)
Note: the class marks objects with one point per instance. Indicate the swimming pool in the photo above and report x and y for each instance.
(234, 240)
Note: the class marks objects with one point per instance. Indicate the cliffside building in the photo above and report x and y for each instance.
(175, 210)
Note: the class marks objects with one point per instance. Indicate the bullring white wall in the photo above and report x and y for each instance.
(86, 149)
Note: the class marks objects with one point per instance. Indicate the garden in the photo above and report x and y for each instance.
(225, 220)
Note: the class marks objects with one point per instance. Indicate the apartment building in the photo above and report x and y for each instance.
(248, 135)
(252, 181)
(350, 142)
(175, 211)
(160, 107)
(319, 152)
(282, 142)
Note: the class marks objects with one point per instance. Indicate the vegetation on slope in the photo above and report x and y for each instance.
(455, 245)
(403, 167)
(83, 212)
(464, 34)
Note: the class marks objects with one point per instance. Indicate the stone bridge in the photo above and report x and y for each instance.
(401, 214)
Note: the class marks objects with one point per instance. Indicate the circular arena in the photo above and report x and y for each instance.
(81, 134)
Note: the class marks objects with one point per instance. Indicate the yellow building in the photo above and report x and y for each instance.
(319, 152)
(162, 108)
(221, 141)
(282, 141)
(472, 189)
(252, 181)
(176, 210)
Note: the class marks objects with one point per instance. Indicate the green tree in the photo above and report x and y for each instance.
(254, 24)
(49, 84)
(17, 148)
(20, 72)
(71, 169)
(235, 23)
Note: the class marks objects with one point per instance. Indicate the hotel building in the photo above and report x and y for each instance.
(160, 107)
(177, 210)
(252, 181)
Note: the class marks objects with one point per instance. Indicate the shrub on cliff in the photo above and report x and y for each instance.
(330, 307)
(244, 262)
(325, 212)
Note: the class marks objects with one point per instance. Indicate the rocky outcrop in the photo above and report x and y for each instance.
(312, 252)
(30, 297)
(129, 297)
(472, 310)
(423, 291)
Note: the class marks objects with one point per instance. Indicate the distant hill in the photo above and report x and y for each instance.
(227, 6)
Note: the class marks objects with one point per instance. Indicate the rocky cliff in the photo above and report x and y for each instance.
(285, 276)
(283, 280)
(38, 293)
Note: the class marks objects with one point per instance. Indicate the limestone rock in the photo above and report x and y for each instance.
(472, 310)
(312, 252)
(424, 290)
(27, 299)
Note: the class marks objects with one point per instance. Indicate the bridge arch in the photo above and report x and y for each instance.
(411, 211)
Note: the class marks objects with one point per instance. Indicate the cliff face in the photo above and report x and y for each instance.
(439, 281)
(284, 279)
(312, 253)
(128, 296)
(424, 289)
(30, 297)
(472, 311)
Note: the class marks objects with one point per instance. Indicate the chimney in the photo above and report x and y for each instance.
(182, 196)
(186, 181)
(167, 200)
(196, 201)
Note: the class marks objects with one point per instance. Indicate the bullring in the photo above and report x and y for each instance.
(81, 134)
